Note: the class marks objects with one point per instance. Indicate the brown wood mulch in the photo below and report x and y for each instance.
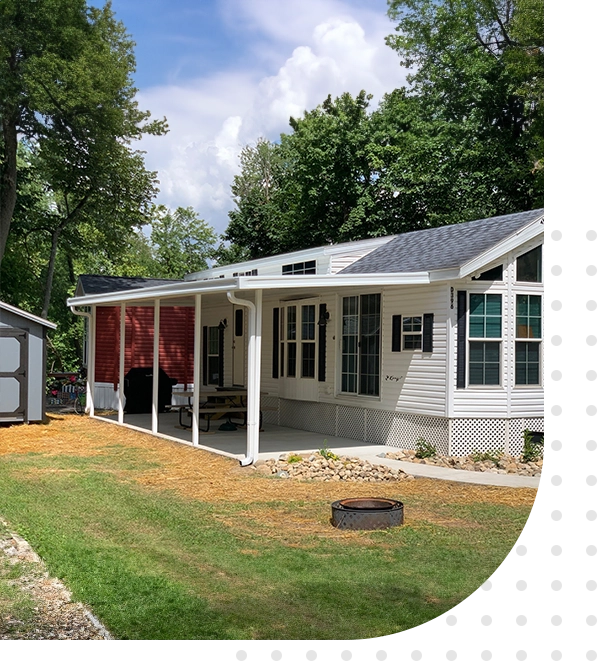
(208, 477)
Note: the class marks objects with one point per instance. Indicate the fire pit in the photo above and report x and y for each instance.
(367, 513)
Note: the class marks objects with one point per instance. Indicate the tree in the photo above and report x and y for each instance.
(180, 242)
(65, 86)
(477, 75)
(261, 216)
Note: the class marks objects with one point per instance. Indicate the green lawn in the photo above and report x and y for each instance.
(152, 564)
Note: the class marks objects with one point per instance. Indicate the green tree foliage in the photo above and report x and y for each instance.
(180, 243)
(262, 216)
(477, 75)
(66, 87)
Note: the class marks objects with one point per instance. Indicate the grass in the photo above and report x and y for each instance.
(160, 547)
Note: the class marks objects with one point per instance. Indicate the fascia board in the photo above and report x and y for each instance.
(27, 315)
(530, 231)
(348, 280)
(160, 291)
(442, 275)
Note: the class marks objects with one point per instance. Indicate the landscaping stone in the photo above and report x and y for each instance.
(506, 464)
(321, 469)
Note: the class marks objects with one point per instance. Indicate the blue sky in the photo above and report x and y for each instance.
(225, 72)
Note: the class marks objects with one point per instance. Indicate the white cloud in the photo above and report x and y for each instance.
(212, 118)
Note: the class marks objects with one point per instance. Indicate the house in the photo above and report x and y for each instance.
(22, 365)
(435, 333)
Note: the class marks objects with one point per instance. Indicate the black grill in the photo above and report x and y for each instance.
(138, 390)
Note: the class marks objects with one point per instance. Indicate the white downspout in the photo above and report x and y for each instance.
(253, 373)
(90, 358)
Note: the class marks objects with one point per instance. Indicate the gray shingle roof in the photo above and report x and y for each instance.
(444, 247)
(103, 284)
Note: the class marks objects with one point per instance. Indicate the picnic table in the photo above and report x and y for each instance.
(214, 404)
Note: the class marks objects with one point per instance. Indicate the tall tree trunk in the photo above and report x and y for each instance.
(8, 176)
(50, 274)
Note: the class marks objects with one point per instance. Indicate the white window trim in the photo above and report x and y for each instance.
(299, 303)
(500, 340)
(538, 340)
(405, 333)
(356, 396)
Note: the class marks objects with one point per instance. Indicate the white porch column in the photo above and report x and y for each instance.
(156, 365)
(255, 402)
(90, 407)
(196, 370)
(253, 373)
(121, 363)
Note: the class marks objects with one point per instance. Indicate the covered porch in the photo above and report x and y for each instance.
(206, 302)
(274, 440)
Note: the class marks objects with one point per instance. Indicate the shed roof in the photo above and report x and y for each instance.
(26, 315)
(450, 246)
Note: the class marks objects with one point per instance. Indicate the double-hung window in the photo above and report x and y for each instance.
(412, 333)
(528, 339)
(485, 339)
(297, 346)
(361, 341)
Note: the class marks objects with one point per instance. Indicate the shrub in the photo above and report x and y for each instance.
(326, 453)
(424, 449)
(489, 455)
(531, 450)
(294, 459)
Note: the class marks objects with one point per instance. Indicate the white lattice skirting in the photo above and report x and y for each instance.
(456, 437)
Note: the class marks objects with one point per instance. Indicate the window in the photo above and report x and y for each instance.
(485, 334)
(412, 333)
(361, 334)
(528, 266)
(300, 268)
(291, 339)
(494, 274)
(528, 328)
(308, 341)
(213, 355)
(298, 341)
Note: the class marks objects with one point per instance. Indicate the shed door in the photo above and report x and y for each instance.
(13, 374)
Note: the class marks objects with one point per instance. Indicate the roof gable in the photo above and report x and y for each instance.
(26, 315)
(450, 246)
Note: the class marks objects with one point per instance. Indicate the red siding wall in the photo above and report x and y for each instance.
(176, 342)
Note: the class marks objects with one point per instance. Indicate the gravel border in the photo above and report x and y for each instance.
(56, 616)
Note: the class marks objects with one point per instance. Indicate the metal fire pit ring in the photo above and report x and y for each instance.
(367, 513)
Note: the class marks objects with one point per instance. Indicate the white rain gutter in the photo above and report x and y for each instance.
(253, 373)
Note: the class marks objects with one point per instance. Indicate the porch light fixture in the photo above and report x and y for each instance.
(324, 318)
(223, 324)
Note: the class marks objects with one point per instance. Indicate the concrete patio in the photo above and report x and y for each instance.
(273, 440)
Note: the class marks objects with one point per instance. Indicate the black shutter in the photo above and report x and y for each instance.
(461, 342)
(221, 357)
(321, 347)
(276, 344)
(204, 355)
(428, 333)
(396, 332)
